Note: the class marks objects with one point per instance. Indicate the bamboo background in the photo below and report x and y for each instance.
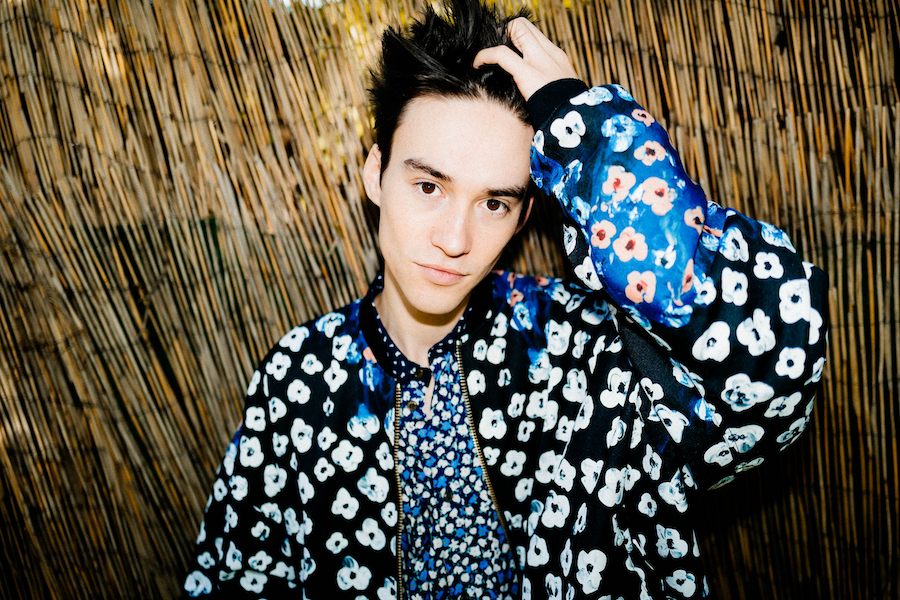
(180, 183)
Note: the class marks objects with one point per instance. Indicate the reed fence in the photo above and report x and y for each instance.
(180, 183)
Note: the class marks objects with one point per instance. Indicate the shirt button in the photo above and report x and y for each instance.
(419, 373)
(411, 405)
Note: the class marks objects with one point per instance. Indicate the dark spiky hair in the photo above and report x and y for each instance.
(435, 58)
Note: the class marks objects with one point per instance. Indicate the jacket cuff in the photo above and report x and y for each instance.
(544, 102)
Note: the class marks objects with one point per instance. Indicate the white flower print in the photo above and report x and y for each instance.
(590, 470)
(259, 561)
(301, 435)
(526, 428)
(568, 130)
(260, 531)
(565, 475)
(231, 518)
(540, 407)
(622, 92)
(305, 489)
(672, 492)
(384, 457)
(363, 426)
(652, 463)
(278, 366)
(298, 392)
(742, 439)
(587, 274)
(617, 382)
(637, 428)
(580, 520)
(475, 382)
(344, 504)
(556, 510)
(504, 378)
(683, 581)
(590, 570)
(746, 466)
(611, 493)
(547, 464)
(793, 431)
(373, 486)
(791, 362)
(538, 141)
(592, 97)
(328, 323)
(335, 376)
(524, 488)
(347, 456)
(734, 287)
(251, 452)
(672, 420)
(254, 383)
(389, 514)
(794, 301)
(818, 367)
(291, 525)
(768, 266)
(230, 456)
(558, 337)
(718, 453)
(371, 535)
(353, 575)
(253, 582)
(669, 542)
(197, 584)
(233, 558)
(255, 419)
(706, 289)
(575, 389)
(496, 353)
(741, 393)
(756, 334)
(340, 346)
(707, 412)
(277, 409)
(479, 350)
(565, 559)
(553, 585)
(274, 477)
(733, 246)
(326, 438)
(206, 560)
(616, 432)
(714, 343)
(515, 461)
(783, 406)
(492, 425)
(537, 552)
(583, 419)
(283, 571)
(311, 365)
(516, 405)
(775, 237)
(564, 429)
(219, 490)
(279, 444)
(647, 505)
(294, 338)
(307, 565)
(238, 486)
(491, 455)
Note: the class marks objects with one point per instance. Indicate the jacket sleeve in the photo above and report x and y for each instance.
(738, 315)
(251, 539)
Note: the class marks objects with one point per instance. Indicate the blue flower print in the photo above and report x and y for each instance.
(621, 130)
(592, 97)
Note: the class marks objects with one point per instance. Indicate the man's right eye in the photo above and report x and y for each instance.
(427, 187)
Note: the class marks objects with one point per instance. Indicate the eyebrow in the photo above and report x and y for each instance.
(414, 164)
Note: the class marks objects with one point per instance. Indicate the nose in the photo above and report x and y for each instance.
(453, 232)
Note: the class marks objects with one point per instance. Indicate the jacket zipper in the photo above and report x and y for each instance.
(471, 419)
(399, 544)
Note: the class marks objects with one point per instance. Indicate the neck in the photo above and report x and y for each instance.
(414, 332)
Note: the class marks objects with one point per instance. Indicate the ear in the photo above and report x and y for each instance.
(372, 175)
(529, 203)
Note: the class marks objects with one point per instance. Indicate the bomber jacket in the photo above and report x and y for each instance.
(687, 353)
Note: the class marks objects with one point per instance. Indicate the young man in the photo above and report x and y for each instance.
(463, 433)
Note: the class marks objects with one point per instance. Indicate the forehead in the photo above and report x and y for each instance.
(474, 140)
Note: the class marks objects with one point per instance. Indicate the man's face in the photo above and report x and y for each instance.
(450, 200)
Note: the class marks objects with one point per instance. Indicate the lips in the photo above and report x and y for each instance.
(441, 275)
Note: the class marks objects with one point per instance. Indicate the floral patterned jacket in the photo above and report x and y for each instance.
(689, 352)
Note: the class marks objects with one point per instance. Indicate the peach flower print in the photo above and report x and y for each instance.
(515, 297)
(693, 217)
(602, 234)
(630, 244)
(687, 282)
(643, 116)
(618, 182)
(657, 194)
(641, 286)
(650, 152)
(369, 355)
